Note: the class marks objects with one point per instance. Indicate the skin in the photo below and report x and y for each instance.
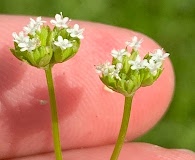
(89, 115)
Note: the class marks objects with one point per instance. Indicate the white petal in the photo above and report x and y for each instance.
(58, 17)
(76, 27)
(81, 37)
(60, 39)
(134, 39)
(166, 55)
(65, 19)
(23, 49)
(119, 66)
(53, 21)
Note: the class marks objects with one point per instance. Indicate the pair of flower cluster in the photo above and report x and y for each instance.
(41, 46)
(128, 72)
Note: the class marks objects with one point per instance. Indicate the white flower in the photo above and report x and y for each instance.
(33, 26)
(28, 44)
(105, 68)
(38, 21)
(76, 32)
(63, 43)
(115, 73)
(60, 21)
(134, 43)
(137, 63)
(19, 38)
(119, 66)
(118, 54)
(153, 66)
(30, 28)
(158, 55)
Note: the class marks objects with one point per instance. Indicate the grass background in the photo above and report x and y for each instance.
(170, 22)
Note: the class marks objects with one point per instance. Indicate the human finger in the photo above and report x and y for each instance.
(88, 114)
(133, 151)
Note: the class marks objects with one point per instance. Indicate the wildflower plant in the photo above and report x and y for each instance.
(126, 74)
(43, 47)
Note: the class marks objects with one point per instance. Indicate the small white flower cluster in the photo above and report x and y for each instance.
(76, 32)
(60, 21)
(134, 43)
(33, 26)
(29, 44)
(118, 54)
(63, 43)
(23, 40)
(153, 64)
(109, 69)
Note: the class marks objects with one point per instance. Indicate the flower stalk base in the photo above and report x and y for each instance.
(123, 129)
(55, 128)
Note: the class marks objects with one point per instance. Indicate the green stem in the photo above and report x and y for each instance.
(123, 129)
(55, 128)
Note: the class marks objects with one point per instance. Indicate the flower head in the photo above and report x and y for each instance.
(40, 46)
(76, 32)
(60, 21)
(128, 71)
(134, 43)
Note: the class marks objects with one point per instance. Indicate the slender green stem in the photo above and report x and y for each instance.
(55, 128)
(123, 129)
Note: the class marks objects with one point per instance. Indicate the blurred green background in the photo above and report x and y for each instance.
(170, 22)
